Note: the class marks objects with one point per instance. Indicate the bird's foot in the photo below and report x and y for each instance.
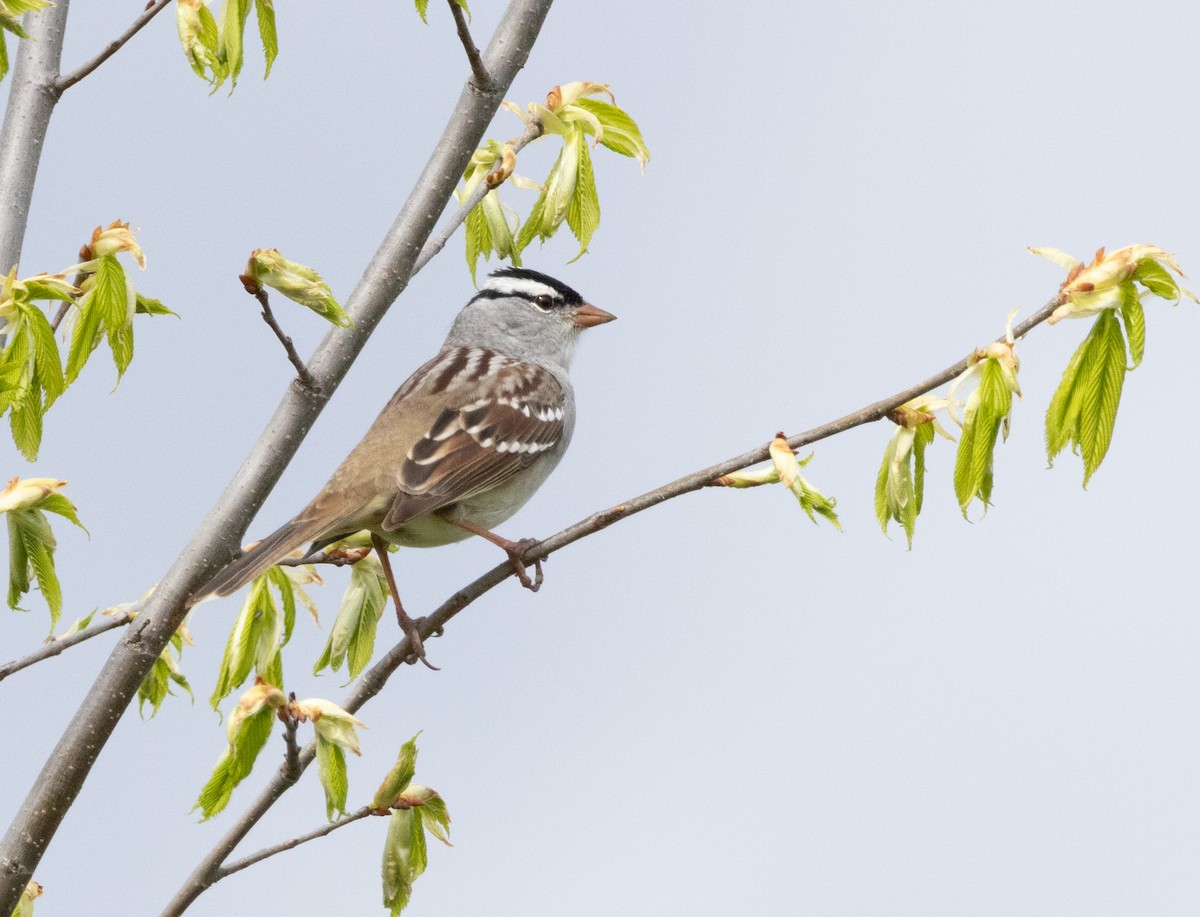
(515, 551)
(412, 630)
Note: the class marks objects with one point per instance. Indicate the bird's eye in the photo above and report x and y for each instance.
(543, 302)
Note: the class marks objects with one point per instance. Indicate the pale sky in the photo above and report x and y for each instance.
(715, 707)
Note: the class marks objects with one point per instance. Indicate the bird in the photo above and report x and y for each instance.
(461, 446)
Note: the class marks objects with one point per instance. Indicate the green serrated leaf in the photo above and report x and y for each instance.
(18, 562)
(422, 9)
(46, 360)
(583, 213)
(25, 419)
(230, 50)
(1102, 395)
(404, 858)
(1133, 316)
(236, 762)
(1062, 416)
(265, 9)
(987, 408)
(1157, 279)
(57, 503)
(331, 766)
(6, 24)
(436, 818)
(148, 306)
(620, 132)
(41, 560)
(398, 777)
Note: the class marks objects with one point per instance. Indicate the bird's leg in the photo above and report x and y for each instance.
(407, 624)
(514, 549)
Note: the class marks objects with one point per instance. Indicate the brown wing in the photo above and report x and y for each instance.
(514, 415)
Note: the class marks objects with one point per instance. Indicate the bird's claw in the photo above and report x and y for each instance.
(411, 630)
(515, 554)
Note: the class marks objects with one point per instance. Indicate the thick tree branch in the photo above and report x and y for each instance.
(483, 79)
(32, 95)
(65, 82)
(54, 647)
(218, 536)
(372, 681)
(291, 843)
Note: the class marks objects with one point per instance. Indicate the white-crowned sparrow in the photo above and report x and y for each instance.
(462, 444)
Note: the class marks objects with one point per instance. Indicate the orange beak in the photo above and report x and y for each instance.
(588, 316)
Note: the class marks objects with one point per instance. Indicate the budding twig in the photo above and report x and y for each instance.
(259, 293)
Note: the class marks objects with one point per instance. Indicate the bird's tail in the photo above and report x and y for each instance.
(263, 555)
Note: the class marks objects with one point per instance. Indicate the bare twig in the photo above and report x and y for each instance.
(482, 79)
(291, 758)
(65, 82)
(54, 647)
(268, 316)
(63, 309)
(290, 843)
(342, 557)
(372, 681)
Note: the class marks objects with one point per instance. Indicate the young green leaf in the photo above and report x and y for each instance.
(248, 730)
(1157, 279)
(404, 858)
(254, 643)
(1133, 316)
(148, 306)
(436, 817)
(399, 776)
(1101, 394)
(157, 684)
(583, 213)
(987, 410)
(353, 632)
(422, 9)
(265, 10)
(619, 132)
(232, 35)
(331, 767)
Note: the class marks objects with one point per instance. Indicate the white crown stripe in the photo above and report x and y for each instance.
(520, 286)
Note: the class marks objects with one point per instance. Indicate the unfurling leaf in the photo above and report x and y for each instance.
(1083, 411)
(398, 777)
(31, 543)
(987, 413)
(298, 282)
(248, 730)
(900, 485)
(404, 858)
(352, 636)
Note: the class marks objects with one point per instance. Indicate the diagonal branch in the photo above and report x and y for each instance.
(65, 82)
(54, 647)
(372, 681)
(291, 843)
(483, 79)
(216, 540)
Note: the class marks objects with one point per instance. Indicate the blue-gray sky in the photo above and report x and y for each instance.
(714, 707)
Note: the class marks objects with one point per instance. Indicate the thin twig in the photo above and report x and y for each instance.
(438, 240)
(372, 681)
(290, 843)
(483, 80)
(342, 557)
(63, 309)
(268, 316)
(291, 757)
(65, 82)
(54, 647)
